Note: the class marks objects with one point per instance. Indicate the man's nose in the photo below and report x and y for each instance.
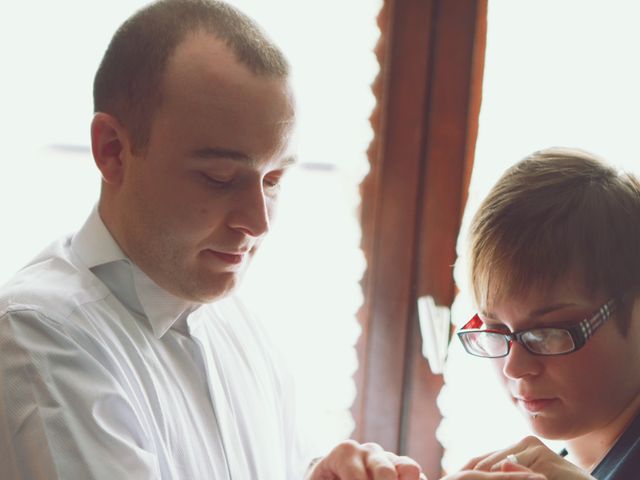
(251, 213)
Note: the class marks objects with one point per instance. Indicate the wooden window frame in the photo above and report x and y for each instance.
(428, 92)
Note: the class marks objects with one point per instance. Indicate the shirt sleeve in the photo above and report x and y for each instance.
(63, 415)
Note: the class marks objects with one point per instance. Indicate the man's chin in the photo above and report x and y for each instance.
(212, 289)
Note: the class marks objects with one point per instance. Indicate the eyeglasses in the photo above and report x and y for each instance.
(547, 340)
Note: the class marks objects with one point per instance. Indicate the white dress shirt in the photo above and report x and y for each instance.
(104, 375)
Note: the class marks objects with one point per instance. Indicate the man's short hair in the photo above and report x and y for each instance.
(558, 211)
(128, 82)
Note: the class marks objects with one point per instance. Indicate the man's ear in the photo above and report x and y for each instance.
(109, 144)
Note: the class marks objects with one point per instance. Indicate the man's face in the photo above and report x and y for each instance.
(197, 202)
(568, 396)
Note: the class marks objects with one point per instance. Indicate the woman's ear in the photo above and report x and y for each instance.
(109, 144)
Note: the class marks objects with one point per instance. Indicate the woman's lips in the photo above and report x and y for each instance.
(536, 405)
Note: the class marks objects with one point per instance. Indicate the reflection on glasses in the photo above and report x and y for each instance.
(547, 340)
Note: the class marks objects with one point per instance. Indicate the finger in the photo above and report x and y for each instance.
(479, 475)
(407, 468)
(511, 464)
(324, 470)
(344, 462)
(378, 463)
(519, 454)
(507, 466)
(492, 461)
(471, 464)
(522, 450)
(523, 458)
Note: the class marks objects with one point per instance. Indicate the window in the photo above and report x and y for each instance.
(556, 73)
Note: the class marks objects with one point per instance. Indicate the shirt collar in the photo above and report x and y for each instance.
(98, 250)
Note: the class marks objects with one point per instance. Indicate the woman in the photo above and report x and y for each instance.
(555, 269)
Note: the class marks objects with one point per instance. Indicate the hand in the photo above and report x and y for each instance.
(533, 454)
(512, 472)
(368, 461)
(507, 471)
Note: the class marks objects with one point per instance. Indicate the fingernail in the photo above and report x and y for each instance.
(536, 477)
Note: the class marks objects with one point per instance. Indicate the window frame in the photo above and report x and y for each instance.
(425, 125)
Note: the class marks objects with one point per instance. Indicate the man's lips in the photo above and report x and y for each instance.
(232, 258)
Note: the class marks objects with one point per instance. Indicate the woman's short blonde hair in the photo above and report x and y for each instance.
(558, 211)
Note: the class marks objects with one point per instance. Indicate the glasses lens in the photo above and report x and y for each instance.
(485, 344)
(548, 341)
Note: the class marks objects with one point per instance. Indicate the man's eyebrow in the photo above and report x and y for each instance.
(212, 153)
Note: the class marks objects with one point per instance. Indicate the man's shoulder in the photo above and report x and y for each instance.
(54, 284)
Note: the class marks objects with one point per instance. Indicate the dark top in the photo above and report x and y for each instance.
(623, 460)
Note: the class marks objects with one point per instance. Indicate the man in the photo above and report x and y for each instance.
(555, 268)
(124, 354)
